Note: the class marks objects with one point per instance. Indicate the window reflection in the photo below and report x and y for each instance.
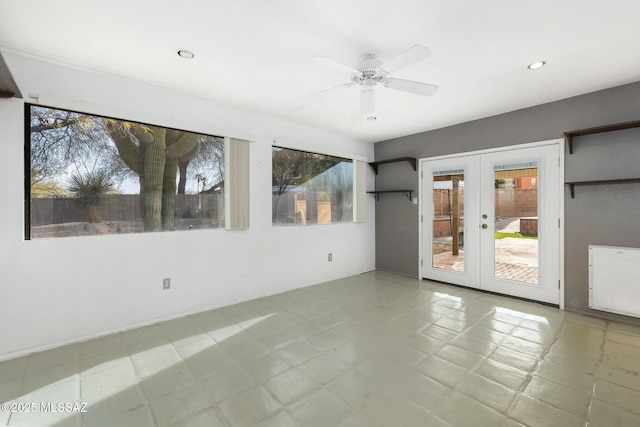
(310, 188)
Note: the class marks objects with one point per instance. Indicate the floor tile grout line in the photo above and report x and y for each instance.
(531, 375)
(471, 370)
(393, 308)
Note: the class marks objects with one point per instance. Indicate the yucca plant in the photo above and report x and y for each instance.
(90, 192)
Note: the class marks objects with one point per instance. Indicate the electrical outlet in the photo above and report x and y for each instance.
(166, 283)
(330, 257)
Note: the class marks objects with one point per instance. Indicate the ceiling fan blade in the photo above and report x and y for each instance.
(367, 101)
(319, 96)
(335, 65)
(410, 86)
(410, 56)
(329, 91)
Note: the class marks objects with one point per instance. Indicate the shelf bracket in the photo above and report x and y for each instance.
(598, 129)
(411, 160)
(569, 139)
(600, 182)
(408, 193)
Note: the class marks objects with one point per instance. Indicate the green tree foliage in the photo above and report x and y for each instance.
(292, 167)
(64, 142)
(300, 168)
(43, 189)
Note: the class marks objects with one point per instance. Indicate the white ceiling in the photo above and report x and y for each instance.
(257, 55)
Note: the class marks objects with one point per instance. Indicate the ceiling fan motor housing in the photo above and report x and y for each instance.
(369, 72)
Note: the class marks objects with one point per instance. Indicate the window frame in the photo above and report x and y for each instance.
(358, 180)
(28, 235)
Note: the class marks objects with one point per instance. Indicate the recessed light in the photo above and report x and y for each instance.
(536, 65)
(372, 118)
(186, 54)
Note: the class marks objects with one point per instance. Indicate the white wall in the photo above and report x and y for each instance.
(56, 291)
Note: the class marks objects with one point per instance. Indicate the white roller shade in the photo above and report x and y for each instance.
(359, 191)
(237, 186)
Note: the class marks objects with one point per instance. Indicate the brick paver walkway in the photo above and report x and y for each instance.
(504, 270)
(517, 272)
(522, 253)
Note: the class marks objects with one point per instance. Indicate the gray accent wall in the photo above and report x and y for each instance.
(603, 215)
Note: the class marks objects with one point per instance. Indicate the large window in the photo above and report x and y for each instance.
(90, 175)
(310, 188)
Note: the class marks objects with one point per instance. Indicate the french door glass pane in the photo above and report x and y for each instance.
(448, 220)
(516, 222)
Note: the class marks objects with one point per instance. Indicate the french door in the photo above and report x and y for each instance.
(490, 220)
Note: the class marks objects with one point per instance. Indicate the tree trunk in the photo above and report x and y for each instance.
(182, 164)
(455, 201)
(181, 149)
(93, 213)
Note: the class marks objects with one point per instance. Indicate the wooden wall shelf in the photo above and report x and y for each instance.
(377, 193)
(568, 136)
(600, 182)
(8, 86)
(411, 160)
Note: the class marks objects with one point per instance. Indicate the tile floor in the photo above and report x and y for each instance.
(371, 350)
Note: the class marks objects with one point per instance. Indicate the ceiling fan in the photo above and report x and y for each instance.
(370, 71)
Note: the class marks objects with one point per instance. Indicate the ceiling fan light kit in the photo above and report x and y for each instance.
(370, 71)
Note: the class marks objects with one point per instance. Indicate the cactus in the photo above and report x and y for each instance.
(153, 153)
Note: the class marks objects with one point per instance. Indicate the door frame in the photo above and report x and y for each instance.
(421, 205)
